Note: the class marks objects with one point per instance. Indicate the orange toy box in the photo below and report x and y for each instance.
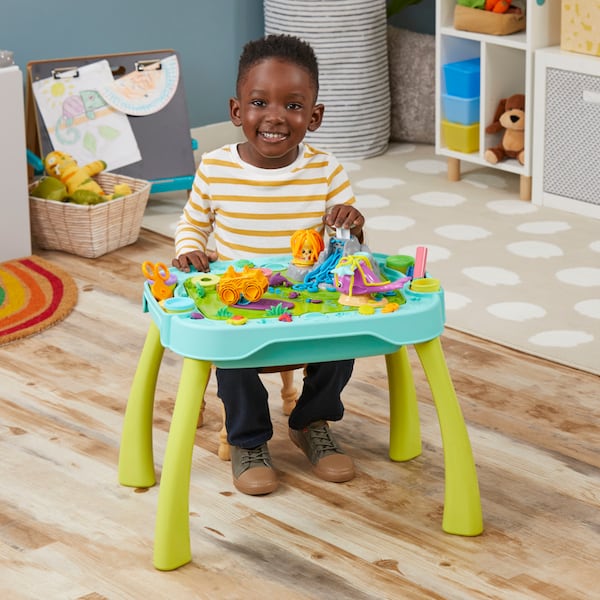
(580, 26)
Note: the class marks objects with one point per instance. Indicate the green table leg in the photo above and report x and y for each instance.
(462, 503)
(405, 429)
(136, 461)
(172, 547)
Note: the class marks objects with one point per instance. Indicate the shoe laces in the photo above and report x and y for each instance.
(322, 441)
(255, 456)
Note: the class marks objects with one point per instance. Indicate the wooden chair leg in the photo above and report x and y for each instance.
(289, 394)
(202, 407)
(201, 415)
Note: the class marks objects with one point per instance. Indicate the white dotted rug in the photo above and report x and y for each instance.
(514, 273)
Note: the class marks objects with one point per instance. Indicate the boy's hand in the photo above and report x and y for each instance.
(346, 217)
(197, 259)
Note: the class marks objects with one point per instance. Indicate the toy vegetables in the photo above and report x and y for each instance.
(497, 6)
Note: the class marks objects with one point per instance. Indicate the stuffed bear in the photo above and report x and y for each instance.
(510, 116)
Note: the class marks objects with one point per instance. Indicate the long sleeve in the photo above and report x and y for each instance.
(252, 211)
(196, 222)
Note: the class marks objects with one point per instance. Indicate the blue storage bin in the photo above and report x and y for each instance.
(462, 78)
(460, 110)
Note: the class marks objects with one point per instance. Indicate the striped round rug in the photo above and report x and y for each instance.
(34, 294)
(349, 38)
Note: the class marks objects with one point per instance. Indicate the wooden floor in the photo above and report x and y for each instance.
(68, 530)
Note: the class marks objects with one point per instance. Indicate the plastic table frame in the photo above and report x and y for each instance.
(267, 342)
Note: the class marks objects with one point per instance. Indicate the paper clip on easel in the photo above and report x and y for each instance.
(64, 72)
(148, 65)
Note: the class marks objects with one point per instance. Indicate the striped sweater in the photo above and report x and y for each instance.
(252, 211)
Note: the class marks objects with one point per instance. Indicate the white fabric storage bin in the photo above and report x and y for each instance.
(566, 130)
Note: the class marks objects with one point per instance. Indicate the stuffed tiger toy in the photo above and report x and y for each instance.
(65, 168)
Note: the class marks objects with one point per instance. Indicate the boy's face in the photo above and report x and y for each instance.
(275, 108)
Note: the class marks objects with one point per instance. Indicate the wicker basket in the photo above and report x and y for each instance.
(486, 21)
(90, 231)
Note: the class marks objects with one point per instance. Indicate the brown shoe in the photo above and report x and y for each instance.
(328, 460)
(253, 471)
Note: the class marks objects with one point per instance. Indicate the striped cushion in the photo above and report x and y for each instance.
(349, 39)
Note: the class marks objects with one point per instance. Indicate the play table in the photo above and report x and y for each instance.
(311, 335)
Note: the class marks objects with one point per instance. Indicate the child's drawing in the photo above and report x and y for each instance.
(87, 102)
(80, 122)
(144, 91)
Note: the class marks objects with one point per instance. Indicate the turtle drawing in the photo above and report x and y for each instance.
(87, 102)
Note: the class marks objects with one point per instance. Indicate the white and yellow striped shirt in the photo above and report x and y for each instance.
(254, 211)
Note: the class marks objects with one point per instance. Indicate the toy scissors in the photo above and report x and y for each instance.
(158, 274)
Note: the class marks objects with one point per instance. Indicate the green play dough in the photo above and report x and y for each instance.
(399, 262)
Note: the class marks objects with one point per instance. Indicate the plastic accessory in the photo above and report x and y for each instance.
(158, 276)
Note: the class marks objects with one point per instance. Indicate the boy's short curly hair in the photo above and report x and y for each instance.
(282, 46)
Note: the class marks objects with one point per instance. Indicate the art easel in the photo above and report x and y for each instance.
(164, 137)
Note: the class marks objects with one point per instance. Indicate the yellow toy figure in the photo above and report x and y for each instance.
(306, 246)
(65, 168)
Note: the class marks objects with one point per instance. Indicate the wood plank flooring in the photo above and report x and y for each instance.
(69, 531)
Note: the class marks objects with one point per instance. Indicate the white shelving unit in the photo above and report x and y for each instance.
(507, 68)
(15, 236)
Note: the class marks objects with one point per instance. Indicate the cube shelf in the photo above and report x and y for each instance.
(505, 68)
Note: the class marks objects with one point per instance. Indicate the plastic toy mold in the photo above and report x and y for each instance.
(356, 280)
(249, 283)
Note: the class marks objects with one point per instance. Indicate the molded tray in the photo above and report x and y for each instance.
(311, 337)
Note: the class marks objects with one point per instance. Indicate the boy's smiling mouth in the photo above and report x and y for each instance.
(273, 135)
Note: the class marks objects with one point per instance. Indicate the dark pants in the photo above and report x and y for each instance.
(245, 398)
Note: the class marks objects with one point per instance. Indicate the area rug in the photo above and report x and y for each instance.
(514, 273)
(34, 294)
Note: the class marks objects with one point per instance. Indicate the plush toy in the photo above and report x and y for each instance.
(510, 116)
(80, 187)
(65, 168)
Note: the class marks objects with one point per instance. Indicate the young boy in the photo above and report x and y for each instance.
(253, 196)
